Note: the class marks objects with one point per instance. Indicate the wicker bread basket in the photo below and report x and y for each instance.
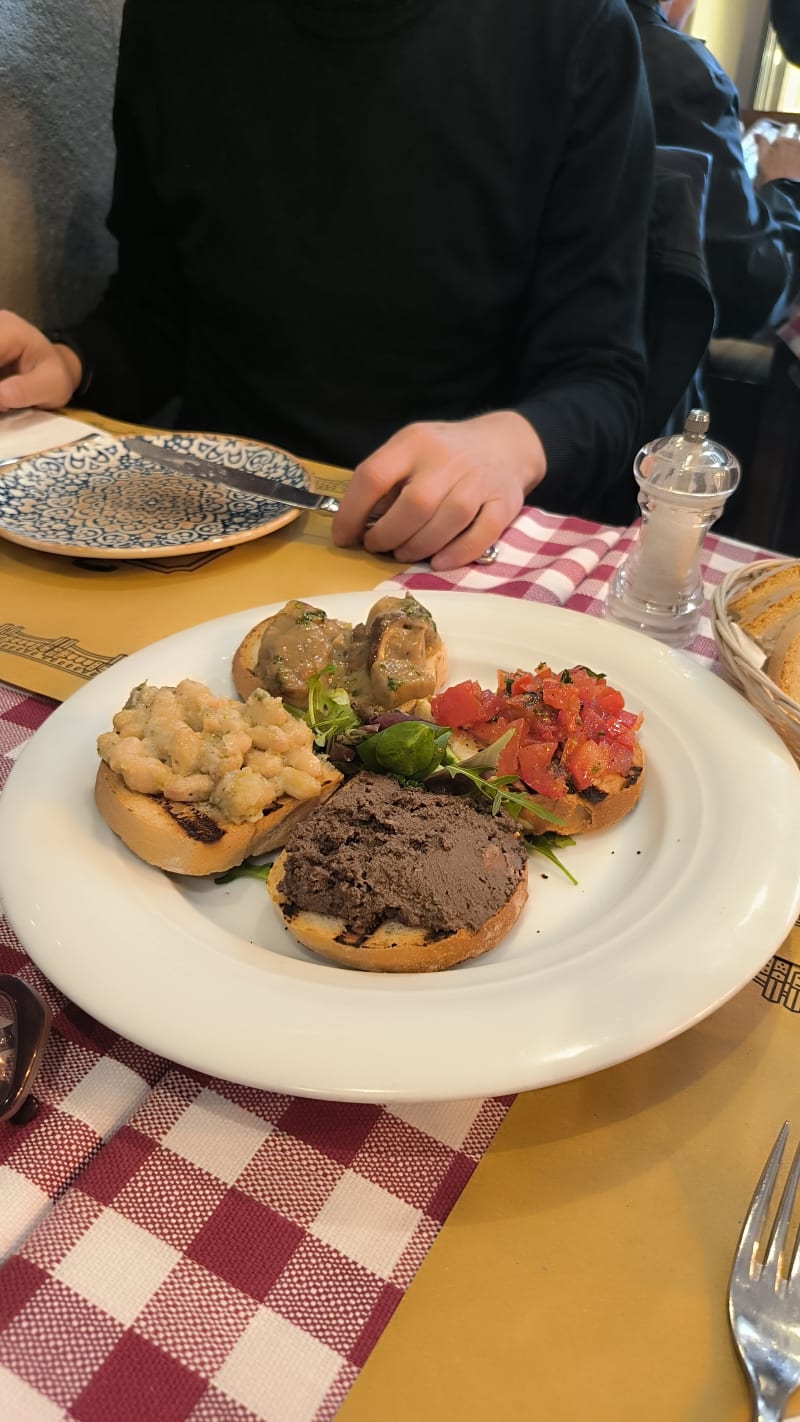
(739, 656)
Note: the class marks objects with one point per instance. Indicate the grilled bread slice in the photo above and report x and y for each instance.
(189, 838)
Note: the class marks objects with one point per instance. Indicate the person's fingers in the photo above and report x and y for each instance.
(373, 482)
(485, 530)
(31, 371)
(46, 385)
(12, 393)
(436, 513)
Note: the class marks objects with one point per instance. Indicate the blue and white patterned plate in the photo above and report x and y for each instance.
(95, 500)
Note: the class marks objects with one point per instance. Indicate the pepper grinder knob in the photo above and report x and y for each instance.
(684, 481)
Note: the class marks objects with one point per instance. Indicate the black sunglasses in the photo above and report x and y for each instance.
(24, 1029)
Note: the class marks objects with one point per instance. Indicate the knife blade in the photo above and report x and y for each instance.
(213, 471)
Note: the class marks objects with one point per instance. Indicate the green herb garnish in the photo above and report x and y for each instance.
(248, 869)
(329, 713)
(547, 844)
(496, 790)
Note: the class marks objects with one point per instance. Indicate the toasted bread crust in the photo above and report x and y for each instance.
(764, 591)
(766, 623)
(245, 660)
(394, 947)
(783, 665)
(186, 839)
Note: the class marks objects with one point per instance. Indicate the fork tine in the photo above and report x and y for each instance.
(777, 1239)
(754, 1221)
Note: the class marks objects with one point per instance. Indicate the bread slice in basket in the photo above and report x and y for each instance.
(768, 606)
(783, 664)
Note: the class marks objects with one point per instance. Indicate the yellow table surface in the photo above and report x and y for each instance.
(62, 620)
(582, 1272)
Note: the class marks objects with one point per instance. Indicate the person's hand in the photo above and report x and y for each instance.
(33, 371)
(779, 158)
(451, 488)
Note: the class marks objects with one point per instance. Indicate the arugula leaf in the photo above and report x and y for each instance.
(547, 844)
(496, 790)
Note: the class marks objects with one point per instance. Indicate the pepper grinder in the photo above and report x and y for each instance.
(683, 480)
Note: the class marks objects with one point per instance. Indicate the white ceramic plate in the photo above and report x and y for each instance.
(677, 906)
(95, 500)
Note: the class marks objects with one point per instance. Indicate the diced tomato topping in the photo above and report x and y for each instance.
(508, 759)
(628, 718)
(543, 778)
(516, 681)
(595, 724)
(607, 699)
(585, 684)
(570, 746)
(485, 732)
(538, 753)
(568, 720)
(543, 727)
(623, 728)
(576, 711)
(619, 757)
(458, 705)
(587, 764)
(562, 695)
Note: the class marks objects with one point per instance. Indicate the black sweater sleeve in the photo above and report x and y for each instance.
(585, 359)
(133, 341)
(752, 238)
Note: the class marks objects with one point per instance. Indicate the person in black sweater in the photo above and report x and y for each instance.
(402, 235)
(752, 228)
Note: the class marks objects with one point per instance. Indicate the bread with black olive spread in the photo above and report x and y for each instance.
(392, 878)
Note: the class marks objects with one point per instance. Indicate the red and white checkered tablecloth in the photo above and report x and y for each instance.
(570, 563)
(175, 1248)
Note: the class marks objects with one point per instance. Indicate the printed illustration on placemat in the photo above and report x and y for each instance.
(779, 981)
(62, 653)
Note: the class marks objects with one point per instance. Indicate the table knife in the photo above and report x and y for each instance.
(215, 472)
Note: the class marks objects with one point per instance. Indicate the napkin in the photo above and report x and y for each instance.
(24, 432)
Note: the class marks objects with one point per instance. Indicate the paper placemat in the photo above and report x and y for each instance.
(26, 432)
(63, 620)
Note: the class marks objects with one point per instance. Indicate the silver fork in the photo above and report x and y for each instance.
(764, 1293)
